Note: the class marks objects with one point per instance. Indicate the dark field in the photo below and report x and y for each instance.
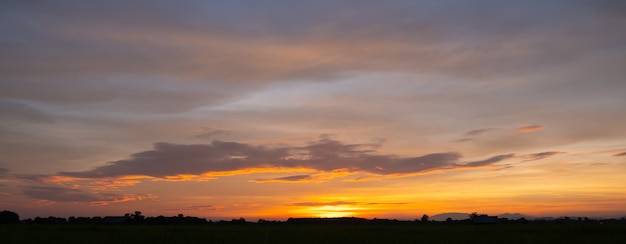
(518, 233)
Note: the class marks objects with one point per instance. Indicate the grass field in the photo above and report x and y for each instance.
(529, 233)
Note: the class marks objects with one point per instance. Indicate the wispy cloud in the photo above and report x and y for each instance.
(538, 156)
(58, 194)
(117, 198)
(478, 132)
(464, 140)
(339, 203)
(16, 111)
(530, 128)
(334, 203)
(620, 154)
(54, 194)
(294, 178)
(196, 208)
(210, 134)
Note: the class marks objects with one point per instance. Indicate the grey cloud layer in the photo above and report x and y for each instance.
(325, 155)
(74, 46)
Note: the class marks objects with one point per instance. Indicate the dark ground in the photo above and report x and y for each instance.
(280, 233)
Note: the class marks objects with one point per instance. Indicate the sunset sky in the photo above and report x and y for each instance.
(277, 109)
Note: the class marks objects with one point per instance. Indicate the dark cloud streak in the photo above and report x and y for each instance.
(539, 156)
(58, 194)
(477, 132)
(293, 178)
(619, 154)
(325, 155)
(20, 112)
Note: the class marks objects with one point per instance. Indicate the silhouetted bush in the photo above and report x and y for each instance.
(8, 217)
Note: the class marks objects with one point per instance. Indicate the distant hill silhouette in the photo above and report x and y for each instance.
(453, 216)
(462, 216)
(514, 216)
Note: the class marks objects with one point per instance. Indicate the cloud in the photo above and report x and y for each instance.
(196, 53)
(294, 178)
(338, 203)
(171, 159)
(60, 194)
(530, 128)
(503, 168)
(488, 161)
(619, 154)
(477, 132)
(315, 204)
(21, 112)
(464, 140)
(538, 156)
(320, 176)
(220, 157)
(117, 198)
(467, 137)
(196, 208)
(210, 134)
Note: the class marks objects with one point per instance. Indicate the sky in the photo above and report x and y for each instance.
(276, 109)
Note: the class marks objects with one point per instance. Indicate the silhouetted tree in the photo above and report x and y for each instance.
(50, 220)
(137, 217)
(238, 221)
(96, 220)
(424, 218)
(8, 217)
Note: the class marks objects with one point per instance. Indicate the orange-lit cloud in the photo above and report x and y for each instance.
(123, 198)
(53, 194)
(109, 184)
(530, 128)
(336, 203)
(40, 203)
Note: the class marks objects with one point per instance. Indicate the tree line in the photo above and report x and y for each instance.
(9, 217)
